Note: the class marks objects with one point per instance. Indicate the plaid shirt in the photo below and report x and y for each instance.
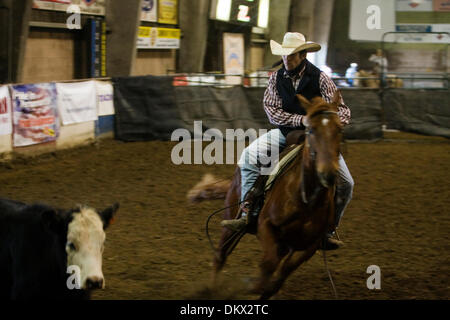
(273, 103)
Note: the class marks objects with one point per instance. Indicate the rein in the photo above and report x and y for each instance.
(312, 156)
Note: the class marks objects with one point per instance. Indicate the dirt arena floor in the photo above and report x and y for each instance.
(399, 220)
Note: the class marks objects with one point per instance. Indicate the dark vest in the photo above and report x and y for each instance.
(308, 87)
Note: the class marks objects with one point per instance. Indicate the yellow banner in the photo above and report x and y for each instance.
(158, 38)
(144, 32)
(169, 33)
(168, 11)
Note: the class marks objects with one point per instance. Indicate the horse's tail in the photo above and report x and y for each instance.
(209, 188)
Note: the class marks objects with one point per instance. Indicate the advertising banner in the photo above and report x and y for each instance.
(158, 38)
(105, 98)
(77, 102)
(35, 114)
(168, 11)
(92, 7)
(96, 29)
(424, 35)
(149, 9)
(5, 111)
(414, 5)
(233, 47)
(441, 5)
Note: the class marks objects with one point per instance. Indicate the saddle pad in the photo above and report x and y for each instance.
(287, 159)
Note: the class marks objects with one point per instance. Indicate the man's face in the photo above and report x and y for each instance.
(292, 61)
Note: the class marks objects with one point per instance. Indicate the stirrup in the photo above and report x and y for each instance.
(244, 207)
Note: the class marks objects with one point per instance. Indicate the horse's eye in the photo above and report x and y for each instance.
(71, 246)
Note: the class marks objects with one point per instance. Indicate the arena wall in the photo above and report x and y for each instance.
(420, 111)
(151, 108)
(70, 135)
(155, 62)
(50, 56)
(5, 145)
(75, 135)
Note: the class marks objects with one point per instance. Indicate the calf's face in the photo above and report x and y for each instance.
(84, 247)
(85, 244)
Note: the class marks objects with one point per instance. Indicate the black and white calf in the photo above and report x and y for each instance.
(39, 243)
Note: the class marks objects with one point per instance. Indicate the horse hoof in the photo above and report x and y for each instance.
(265, 296)
(256, 289)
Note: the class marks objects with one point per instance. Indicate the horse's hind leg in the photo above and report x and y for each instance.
(289, 264)
(228, 239)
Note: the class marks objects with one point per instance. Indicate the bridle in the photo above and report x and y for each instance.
(312, 154)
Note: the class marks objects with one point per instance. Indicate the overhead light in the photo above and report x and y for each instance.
(223, 10)
(263, 14)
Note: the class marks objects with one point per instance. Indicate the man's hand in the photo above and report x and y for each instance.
(305, 121)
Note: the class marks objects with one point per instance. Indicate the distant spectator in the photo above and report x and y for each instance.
(381, 63)
(351, 73)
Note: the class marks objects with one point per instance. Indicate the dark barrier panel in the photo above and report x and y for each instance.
(221, 108)
(145, 108)
(365, 107)
(150, 108)
(240, 107)
(420, 111)
(255, 105)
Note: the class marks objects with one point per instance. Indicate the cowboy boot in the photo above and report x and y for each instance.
(242, 222)
(329, 243)
(249, 209)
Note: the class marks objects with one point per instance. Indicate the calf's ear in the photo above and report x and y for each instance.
(52, 221)
(108, 214)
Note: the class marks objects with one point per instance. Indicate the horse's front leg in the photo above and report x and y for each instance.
(272, 255)
(289, 264)
(228, 242)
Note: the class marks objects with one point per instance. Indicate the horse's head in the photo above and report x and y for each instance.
(323, 136)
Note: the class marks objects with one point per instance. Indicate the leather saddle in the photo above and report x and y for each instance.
(263, 184)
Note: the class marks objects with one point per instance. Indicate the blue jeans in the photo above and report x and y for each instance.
(255, 161)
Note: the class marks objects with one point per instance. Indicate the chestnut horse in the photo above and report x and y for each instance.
(298, 209)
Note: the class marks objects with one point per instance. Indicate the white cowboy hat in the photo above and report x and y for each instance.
(293, 42)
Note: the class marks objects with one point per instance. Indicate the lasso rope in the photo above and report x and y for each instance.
(207, 227)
